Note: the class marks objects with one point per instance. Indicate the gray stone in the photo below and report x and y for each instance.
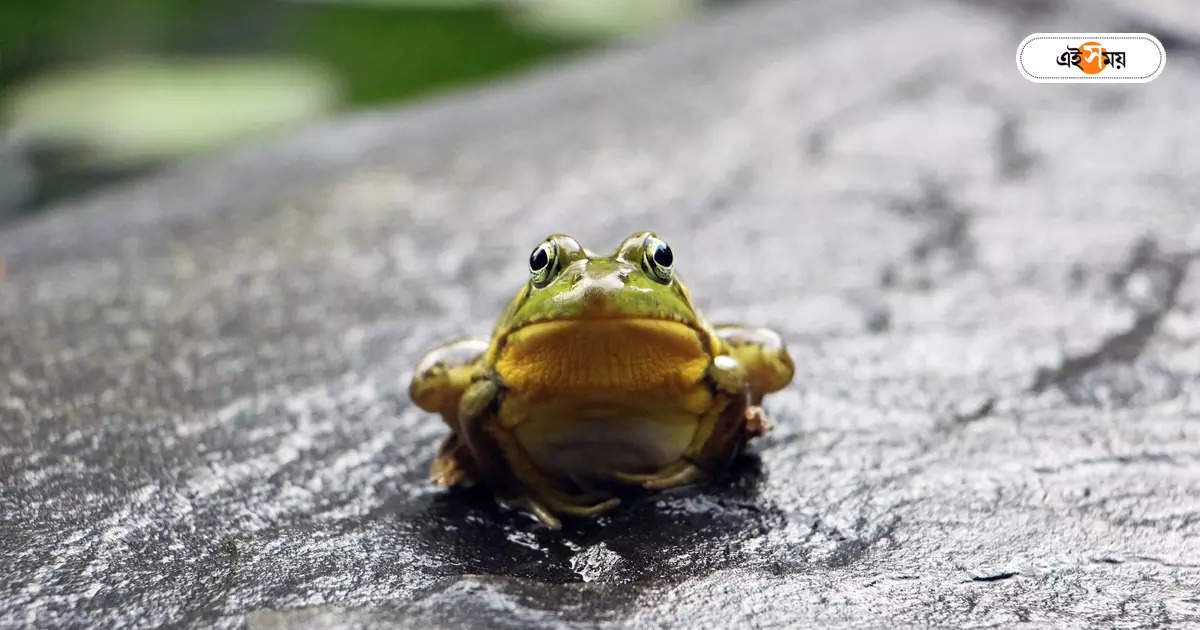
(989, 287)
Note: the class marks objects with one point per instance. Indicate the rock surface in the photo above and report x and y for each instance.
(991, 289)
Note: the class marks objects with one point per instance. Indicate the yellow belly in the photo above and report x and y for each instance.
(584, 439)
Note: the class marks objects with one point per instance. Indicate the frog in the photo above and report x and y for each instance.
(601, 377)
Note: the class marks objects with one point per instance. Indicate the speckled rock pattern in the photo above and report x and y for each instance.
(991, 289)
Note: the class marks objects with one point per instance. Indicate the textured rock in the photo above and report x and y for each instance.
(990, 288)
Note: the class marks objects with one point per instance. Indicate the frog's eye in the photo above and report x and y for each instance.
(541, 263)
(657, 259)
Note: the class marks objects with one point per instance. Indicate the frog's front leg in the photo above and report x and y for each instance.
(438, 384)
(724, 430)
(443, 375)
(762, 354)
(517, 483)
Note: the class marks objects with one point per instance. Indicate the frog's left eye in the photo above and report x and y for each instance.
(657, 259)
(542, 263)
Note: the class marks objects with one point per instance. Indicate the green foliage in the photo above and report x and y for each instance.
(381, 51)
(383, 54)
(37, 34)
(94, 89)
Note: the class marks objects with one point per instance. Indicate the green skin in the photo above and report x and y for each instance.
(459, 380)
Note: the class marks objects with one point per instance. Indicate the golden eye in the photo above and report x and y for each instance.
(657, 259)
(541, 263)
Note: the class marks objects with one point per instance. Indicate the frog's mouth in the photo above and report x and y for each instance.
(598, 355)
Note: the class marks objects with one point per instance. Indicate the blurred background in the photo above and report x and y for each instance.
(95, 92)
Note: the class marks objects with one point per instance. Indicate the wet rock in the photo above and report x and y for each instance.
(990, 289)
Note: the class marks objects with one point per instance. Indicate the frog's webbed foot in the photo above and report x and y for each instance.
(544, 505)
(579, 505)
(554, 496)
(680, 473)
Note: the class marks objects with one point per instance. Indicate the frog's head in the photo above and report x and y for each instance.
(610, 302)
(567, 282)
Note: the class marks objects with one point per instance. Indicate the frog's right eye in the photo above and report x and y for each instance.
(541, 263)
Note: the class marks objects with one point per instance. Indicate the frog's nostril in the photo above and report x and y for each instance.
(576, 278)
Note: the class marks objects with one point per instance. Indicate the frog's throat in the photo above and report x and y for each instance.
(595, 356)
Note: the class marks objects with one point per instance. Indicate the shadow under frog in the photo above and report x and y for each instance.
(656, 539)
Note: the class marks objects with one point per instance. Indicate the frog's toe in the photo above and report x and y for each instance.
(686, 475)
(583, 509)
(583, 498)
(575, 503)
(453, 466)
(443, 473)
(678, 474)
(641, 479)
(447, 472)
(757, 422)
(537, 509)
(629, 479)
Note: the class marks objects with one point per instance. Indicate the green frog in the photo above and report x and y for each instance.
(600, 374)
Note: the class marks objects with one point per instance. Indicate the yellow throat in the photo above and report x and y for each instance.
(627, 354)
